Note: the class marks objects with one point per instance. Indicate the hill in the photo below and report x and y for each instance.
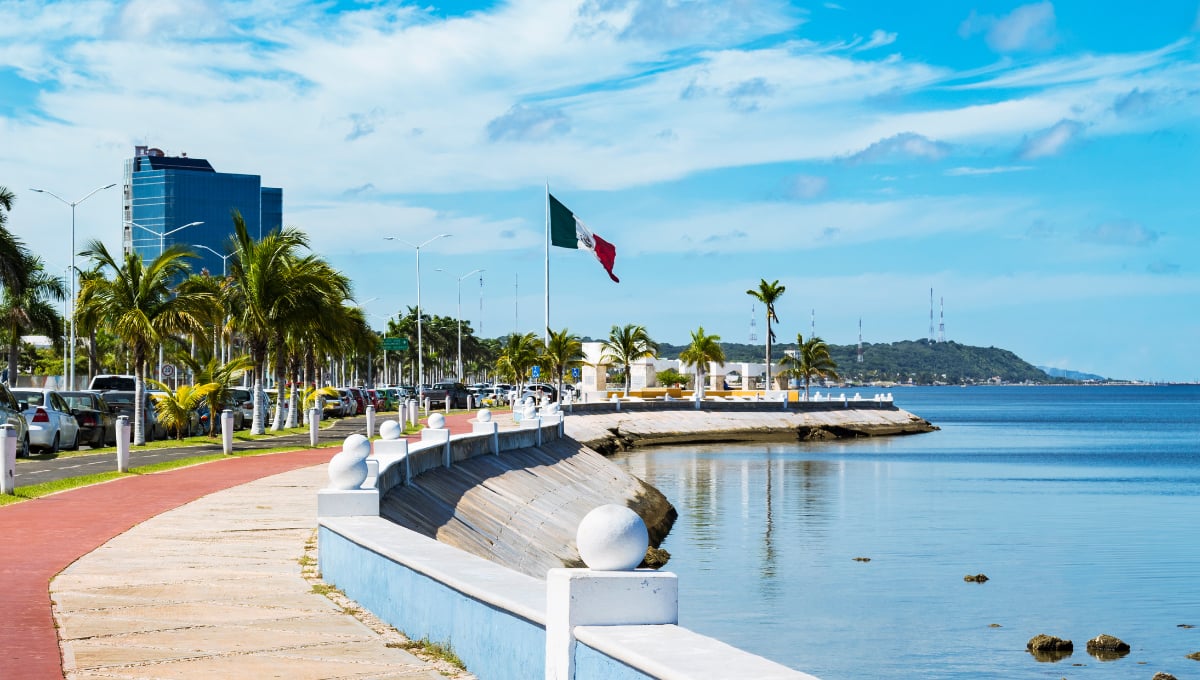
(920, 361)
(1072, 375)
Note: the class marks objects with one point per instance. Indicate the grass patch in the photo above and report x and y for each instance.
(425, 648)
(325, 590)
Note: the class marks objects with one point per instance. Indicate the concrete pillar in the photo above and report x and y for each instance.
(485, 425)
(370, 421)
(123, 444)
(8, 482)
(436, 430)
(227, 432)
(314, 429)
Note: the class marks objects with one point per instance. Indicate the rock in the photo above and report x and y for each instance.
(862, 559)
(1048, 645)
(1194, 656)
(1164, 676)
(976, 578)
(656, 558)
(1107, 643)
(1185, 625)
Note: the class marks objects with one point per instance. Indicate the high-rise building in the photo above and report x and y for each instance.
(177, 199)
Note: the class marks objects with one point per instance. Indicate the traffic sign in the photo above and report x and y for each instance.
(537, 371)
(395, 344)
(168, 370)
(575, 373)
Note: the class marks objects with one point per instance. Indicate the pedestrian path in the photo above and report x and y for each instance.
(44, 536)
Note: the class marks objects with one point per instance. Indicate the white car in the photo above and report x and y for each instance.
(51, 424)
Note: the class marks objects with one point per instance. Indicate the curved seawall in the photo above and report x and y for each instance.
(607, 430)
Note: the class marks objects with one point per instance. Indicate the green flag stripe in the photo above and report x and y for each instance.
(562, 225)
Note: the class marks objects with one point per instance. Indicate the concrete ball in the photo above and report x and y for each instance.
(612, 538)
(390, 429)
(436, 420)
(484, 416)
(357, 446)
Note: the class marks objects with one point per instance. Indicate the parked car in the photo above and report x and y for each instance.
(123, 402)
(97, 422)
(244, 398)
(51, 424)
(374, 399)
(360, 400)
(12, 413)
(106, 382)
(454, 392)
(538, 390)
(230, 404)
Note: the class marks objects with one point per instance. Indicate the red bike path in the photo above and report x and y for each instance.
(43, 536)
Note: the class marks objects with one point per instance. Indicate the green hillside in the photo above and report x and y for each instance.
(921, 361)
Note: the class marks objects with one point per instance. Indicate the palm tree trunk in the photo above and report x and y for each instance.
(139, 398)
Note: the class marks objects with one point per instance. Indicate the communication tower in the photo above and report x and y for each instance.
(859, 359)
(931, 315)
(812, 325)
(753, 325)
(941, 319)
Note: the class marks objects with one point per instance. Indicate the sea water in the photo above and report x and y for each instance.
(1080, 504)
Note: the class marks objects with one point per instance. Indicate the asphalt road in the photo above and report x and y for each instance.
(40, 468)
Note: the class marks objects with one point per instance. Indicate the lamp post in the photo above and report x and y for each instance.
(162, 246)
(420, 350)
(224, 273)
(71, 378)
(458, 364)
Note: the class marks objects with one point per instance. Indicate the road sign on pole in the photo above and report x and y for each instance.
(537, 371)
(575, 373)
(395, 344)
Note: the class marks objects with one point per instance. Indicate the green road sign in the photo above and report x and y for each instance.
(395, 344)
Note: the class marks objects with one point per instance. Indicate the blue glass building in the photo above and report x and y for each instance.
(164, 193)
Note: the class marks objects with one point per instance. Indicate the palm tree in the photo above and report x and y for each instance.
(12, 252)
(627, 344)
(564, 351)
(518, 354)
(176, 407)
(89, 322)
(30, 309)
(811, 360)
(140, 307)
(768, 294)
(222, 377)
(704, 349)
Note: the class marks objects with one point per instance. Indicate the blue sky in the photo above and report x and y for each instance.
(1034, 164)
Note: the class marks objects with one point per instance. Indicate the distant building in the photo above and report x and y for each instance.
(163, 193)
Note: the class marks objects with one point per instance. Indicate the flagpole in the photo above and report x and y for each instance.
(546, 331)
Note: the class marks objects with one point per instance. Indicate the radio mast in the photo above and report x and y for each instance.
(860, 354)
(942, 319)
(753, 325)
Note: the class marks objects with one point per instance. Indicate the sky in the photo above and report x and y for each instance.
(1034, 165)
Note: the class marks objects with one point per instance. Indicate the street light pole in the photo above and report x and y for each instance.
(224, 274)
(458, 365)
(71, 379)
(420, 346)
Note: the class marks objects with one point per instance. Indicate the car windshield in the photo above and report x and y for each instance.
(78, 401)
(112, 382)
(119, 397)
(30, 397)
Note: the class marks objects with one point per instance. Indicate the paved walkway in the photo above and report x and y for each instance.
(42, 537)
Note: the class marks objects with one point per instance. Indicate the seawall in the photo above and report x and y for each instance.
(602, 427)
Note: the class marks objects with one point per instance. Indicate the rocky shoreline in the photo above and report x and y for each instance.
(610, 432)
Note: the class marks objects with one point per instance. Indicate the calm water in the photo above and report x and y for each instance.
(1082, 505)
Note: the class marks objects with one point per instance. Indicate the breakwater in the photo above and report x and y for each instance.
(607, 429)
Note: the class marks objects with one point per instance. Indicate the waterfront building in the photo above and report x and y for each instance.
(164, 193)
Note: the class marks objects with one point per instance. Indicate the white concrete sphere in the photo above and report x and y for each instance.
(436, 420)
(484, 416)
(615, 398)
(390, 429)
(348, 468)
(612, 538)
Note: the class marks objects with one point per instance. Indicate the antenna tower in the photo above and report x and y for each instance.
(859, 359)
(941, 319)
(930, 315)
(753, 325)
(812, 324)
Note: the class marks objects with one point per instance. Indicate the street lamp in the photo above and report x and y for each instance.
(458, 363)
(224, 258)
(420, 350)
(71, 379)
(162, 235)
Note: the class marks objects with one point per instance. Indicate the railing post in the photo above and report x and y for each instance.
(370, 422)
(123, 444)
(227, 432)
(8, 484)
(314, 428)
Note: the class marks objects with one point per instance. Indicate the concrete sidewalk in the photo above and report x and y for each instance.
(214, 589)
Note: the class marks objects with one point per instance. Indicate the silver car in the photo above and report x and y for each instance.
(51, 424)
(11, 414)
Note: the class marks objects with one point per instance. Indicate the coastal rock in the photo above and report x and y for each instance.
(976, 578)
(862, 559)
(656, 558)
(1049, 648)
(1107, 647)
(1194, 656)
(1164, 676)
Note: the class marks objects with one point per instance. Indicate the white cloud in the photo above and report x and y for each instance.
(1119, 233)
(1051, 141)
(901, 146)
(879, 38)
(807, 186)
(1028, 28)
(994, 170)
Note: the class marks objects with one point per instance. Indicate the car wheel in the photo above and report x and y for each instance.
(74, 443)
(23, 449)
(54, 445)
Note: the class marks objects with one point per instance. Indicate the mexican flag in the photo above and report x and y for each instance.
(568, 231)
